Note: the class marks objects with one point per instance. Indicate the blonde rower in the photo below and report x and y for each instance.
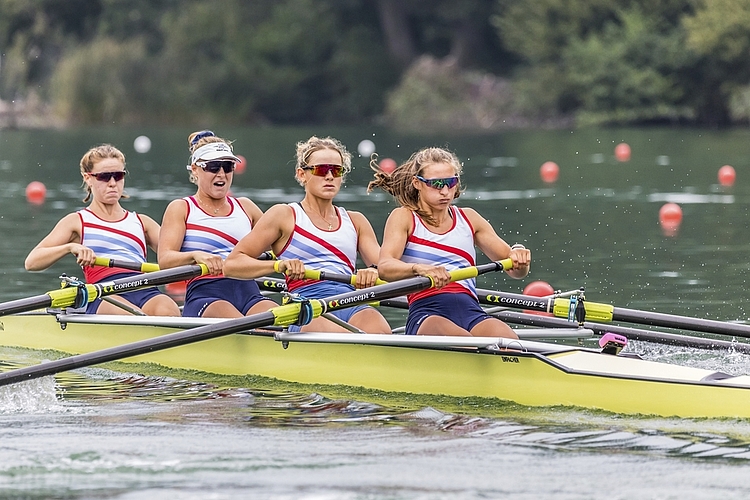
(105, 229)
(318, 234)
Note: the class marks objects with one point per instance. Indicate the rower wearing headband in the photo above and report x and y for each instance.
(205, 227)
(428, 236)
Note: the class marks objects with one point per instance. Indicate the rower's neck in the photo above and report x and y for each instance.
(106, 211)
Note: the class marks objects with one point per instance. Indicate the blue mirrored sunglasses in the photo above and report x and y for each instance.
(440, 183)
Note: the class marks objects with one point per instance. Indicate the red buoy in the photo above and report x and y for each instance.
(387, 165)
(622, 152)
(241, 165)
(539, 289)
(549, 171)
(727, 175)
(177, 290)
(670, 218)
(36, 193)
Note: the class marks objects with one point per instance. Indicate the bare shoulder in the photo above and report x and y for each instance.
(179, 205)
(280, 210)
(401, 215)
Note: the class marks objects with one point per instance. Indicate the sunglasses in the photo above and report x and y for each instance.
(322, 170)
(106, 176)
(214, 166)
(440, 183)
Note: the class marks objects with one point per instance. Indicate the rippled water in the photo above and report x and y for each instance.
(103, 433)
(124, 433)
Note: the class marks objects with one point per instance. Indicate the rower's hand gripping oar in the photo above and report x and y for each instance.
(277, 316)
(79, 294)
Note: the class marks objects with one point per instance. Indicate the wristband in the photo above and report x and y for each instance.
(276, 265)
(517, 246)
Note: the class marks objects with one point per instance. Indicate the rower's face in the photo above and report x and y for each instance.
(326, 185)
(436, 197)
(106, 187)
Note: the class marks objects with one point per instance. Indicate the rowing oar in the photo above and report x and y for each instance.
(81, 294)
(148, 267)
(605, 313)
(277, 316)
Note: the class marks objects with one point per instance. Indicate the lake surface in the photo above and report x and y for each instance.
(110, 433)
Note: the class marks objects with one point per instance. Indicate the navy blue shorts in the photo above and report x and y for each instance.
(325, 289)
(136, 297)
(460, 308)
(242, 294)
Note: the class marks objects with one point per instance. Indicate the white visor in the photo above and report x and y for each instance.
(213, 151)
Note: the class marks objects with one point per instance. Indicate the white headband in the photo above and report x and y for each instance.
(213, 151)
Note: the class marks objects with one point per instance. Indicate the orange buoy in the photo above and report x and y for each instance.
(241, 165)
(538, 289)
(622, 152)
(727, 175)
(549, 171)
(36, 193)
(387, 165)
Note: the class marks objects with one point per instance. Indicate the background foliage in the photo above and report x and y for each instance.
(414, 64)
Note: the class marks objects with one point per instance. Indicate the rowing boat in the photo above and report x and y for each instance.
(527, 372)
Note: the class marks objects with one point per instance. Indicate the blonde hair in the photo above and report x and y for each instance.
(201, 138)
(94, 156)
(313, 144)
(399, 182)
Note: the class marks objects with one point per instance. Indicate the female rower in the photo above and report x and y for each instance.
(428, 236)
(105, 229)
(203, 229)
(318, 234)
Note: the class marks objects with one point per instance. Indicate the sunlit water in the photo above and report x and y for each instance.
(121, 433)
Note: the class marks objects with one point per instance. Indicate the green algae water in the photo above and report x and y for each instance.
(126, 433)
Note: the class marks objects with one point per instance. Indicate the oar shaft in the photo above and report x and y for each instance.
(65, 297)
(137, 348)
(682, 322)
(631, 333)
(606, 313)
(456, 275)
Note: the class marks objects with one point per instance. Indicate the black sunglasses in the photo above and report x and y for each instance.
(106, 176)
(214, 166)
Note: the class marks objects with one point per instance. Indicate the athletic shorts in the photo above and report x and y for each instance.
(136, 297)
(242, 294)
(460, 308)
(324, 289)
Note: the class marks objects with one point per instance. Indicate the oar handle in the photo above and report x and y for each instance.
(145, 267)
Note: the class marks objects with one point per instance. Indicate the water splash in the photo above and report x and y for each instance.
(32, 396)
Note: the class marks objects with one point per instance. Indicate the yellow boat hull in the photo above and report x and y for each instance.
(569, 377)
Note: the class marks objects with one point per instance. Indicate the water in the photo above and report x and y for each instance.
(113, 433)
